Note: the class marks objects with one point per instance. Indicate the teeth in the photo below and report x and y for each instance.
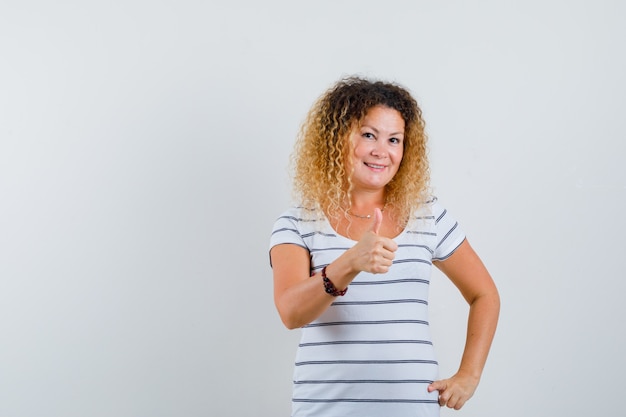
(375, 166)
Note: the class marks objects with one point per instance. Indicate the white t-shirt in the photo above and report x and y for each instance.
(370, 353)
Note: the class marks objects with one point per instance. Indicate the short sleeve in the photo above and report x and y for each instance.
(287, 230)
(449, 233)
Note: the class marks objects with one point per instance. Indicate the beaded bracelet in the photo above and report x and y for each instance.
(330, 288)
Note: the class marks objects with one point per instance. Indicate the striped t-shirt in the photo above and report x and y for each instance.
(370, 352)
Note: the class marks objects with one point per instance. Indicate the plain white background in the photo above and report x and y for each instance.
(143, 160)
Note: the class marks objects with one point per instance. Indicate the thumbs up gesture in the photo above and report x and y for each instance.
(374, 253)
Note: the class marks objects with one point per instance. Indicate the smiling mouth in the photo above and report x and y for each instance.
(374, 166)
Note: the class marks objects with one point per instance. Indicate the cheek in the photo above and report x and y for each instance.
(359, 154)
(398, 154)
(359, 150)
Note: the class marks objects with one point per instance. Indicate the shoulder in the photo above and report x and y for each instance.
(296, 216)
(449, 234)
(430, 209)
(294, 225)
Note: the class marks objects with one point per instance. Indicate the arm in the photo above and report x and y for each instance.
(300, 298)
(469, 275)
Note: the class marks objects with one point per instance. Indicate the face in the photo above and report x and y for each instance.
(378, 148)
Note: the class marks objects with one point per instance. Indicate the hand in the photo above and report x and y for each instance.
(455, 391)
(374, 253)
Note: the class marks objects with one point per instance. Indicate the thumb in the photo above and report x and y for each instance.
(378, 220)
(437, 386)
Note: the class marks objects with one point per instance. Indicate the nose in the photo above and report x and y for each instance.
(379, 150)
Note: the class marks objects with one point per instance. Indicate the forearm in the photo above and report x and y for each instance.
(304, 302)
(481, 327)
(300, 299)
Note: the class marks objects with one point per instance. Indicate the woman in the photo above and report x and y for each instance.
(352, 262)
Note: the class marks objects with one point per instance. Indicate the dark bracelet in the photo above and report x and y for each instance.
(330, 288)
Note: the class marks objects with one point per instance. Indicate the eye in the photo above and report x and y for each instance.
(395, 141)
(368, 135)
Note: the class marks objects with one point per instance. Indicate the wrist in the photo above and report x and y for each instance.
(329, 286)
(470, 374)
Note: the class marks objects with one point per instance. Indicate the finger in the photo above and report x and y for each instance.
(455, 401)
(448, 401)
(388, 254)
(440, 386)
(378, 220)
(390, 245)
(459, 404)
(437, 386)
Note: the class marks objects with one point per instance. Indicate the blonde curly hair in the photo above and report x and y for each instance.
(320, 178)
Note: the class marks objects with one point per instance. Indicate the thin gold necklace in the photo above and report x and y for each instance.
(369, 216)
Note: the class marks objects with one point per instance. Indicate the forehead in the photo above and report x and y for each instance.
(383, 116)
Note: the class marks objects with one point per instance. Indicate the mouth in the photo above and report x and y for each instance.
(374, 166)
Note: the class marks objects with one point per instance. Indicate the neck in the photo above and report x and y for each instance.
(368, 199)
(364, 208)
